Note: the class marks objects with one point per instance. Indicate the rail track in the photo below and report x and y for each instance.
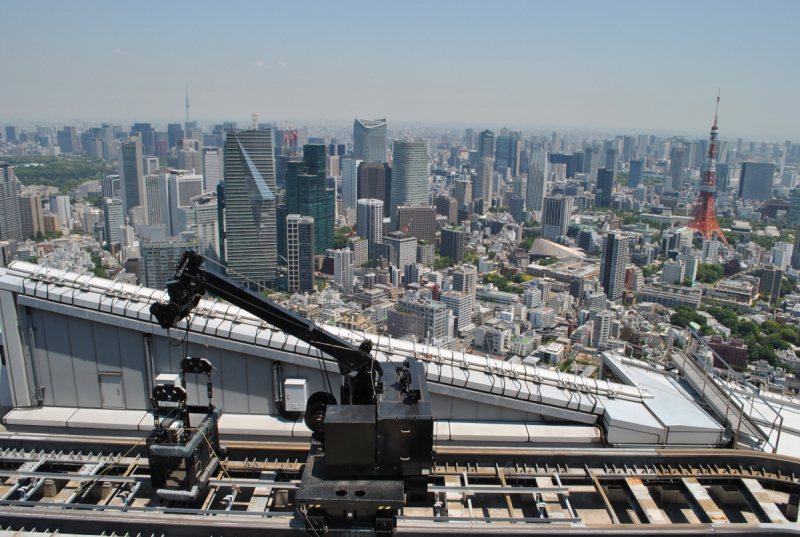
(475, 490)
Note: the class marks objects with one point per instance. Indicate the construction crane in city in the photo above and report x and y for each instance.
(405, 228)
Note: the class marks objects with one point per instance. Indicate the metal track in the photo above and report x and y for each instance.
(592, 491)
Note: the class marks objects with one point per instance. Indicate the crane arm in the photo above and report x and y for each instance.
(191, 281)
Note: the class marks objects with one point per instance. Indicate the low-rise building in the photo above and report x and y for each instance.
(671, 296)
(734, 352)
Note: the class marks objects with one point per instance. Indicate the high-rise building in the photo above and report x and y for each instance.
(723, 177)
(213, 171)
(591, 162)
(409, 175)
(201, 217)
(10, 222)
(360, 248)
(30, 214)
(158, 260)
(374, 181)
(613, 260)
(60, 205)
(486, 144)
(350, 169)
(465, 279)
(605, 187)
(461, 304)
(452, 244)
(156, 200)
(182, 187)
(469, 139)
(677, 167)
(447, 206)
(612, 161)
(370, 223)
(432, 312)
(369, 140)
(484, 180)
(771, 279)
(11, 134)
(555, 217)
(113, 218)
(673, 272)
(755, 180)
(420, 221)
(636, 170)
(190, 160)
(601, 328)
(793, 215)
(175, 132)
(538, 174)
(300, 252)
(404, 248)
(147, 135)
(508, 153)
(250, 231)
(343, 269)
(131, 173)
(462, 191)
(307, 194)
(68, 140)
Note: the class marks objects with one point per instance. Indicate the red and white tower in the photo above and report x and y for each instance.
(704, 216)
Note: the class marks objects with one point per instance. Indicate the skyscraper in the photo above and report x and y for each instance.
(156, 200)
(538, 173)
(250, 211)
(755, 180)
(369, 140)
(462, 191)
(469, 139)
(113, 218)
(605, 187)
(613, 260)
(147, 135)
(213, 160)
(453, 244)
(374, 181)
(612, 161)
(307, 194)
(409, 175)
(591, 161)
(60, 205)
(635, 177)
(518, 209)
(10, 222)
(508, 152)
(677, 167)
(300, 252)
(30, 214)
(131, 173)
(343, 269)
(201, 217)
(370, 222)
(182, 186)
(350, 169)
(420, 220)
(486, 144)
(483, 181)
(555, 217)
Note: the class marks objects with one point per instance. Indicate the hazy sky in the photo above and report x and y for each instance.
(610, 65)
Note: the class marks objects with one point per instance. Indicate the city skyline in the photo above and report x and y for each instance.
(637, 79)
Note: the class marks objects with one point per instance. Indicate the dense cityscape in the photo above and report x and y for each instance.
(362, 268)
(542, 248)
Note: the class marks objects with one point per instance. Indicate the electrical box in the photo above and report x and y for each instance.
(168, 379)
(295, 395)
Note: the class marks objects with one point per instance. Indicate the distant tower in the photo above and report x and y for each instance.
(187, 103)
(704, 217)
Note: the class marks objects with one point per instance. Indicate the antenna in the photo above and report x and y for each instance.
(187, 103)
(716, 112)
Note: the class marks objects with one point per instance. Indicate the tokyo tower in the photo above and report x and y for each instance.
(704, 216)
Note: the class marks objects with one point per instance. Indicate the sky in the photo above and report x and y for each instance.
(623, 66)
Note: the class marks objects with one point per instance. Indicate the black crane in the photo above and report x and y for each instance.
(370, 450)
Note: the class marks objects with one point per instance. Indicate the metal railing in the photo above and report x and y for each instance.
(735, 400)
